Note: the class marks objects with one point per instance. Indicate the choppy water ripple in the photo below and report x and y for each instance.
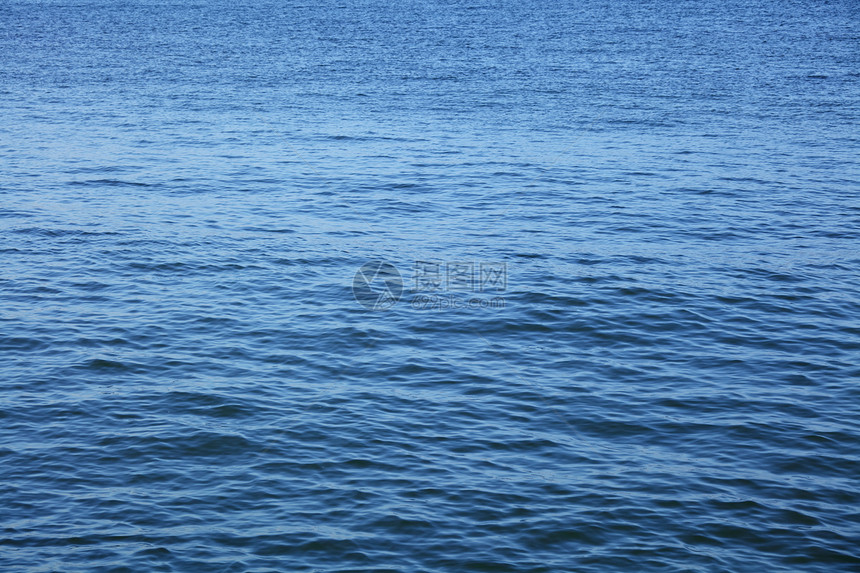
(665, 381)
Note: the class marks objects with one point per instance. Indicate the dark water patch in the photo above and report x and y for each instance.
(106, 365)
(22, 344)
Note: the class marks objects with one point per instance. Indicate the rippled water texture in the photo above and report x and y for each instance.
(662, 375)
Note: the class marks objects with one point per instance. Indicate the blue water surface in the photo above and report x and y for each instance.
(621, 333)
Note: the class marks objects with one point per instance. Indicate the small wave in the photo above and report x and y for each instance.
(40, 231)
(102, 169)
(108, 183)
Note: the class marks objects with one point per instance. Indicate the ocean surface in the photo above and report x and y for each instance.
(437, 286)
